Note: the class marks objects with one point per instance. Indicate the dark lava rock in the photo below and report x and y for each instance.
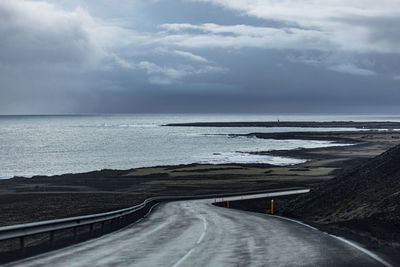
(365, 199)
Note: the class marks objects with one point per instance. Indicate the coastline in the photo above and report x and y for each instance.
(78, 194)
(238, 156)
(129, 148)
(336, 138)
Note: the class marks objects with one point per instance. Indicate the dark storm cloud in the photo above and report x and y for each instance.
(198, 56)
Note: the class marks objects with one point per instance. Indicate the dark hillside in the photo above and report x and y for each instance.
(365, 199)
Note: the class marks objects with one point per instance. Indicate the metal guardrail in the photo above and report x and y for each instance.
(22, 231)
(263, 195)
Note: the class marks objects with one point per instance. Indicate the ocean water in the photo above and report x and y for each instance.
(48, 145)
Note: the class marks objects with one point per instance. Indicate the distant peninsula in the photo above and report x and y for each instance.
(301, 124)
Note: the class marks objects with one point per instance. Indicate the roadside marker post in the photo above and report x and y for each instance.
(227, 204)
(272, 206)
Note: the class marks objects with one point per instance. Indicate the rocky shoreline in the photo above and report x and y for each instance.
(49, 197)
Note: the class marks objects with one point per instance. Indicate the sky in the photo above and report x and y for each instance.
(203, 56)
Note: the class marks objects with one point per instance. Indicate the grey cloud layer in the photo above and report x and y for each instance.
(351, 25)
(54, 54)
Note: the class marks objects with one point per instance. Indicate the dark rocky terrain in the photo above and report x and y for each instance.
(365, 199)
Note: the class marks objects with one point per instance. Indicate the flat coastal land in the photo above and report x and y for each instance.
(39, 198)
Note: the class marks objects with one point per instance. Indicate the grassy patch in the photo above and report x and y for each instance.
(318, 171)
(215, 170)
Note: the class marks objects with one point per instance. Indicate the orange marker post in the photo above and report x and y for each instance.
(227, 204)
(272, 206)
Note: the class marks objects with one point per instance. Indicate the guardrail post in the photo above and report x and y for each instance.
(91, 229)
(75, 233)
(51, 238)
(22, 245)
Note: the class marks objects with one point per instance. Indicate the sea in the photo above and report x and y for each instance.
(58, 144)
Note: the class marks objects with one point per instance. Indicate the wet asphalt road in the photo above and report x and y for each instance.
(195, 233)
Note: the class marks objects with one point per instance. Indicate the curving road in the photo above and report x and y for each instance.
(195, 233)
